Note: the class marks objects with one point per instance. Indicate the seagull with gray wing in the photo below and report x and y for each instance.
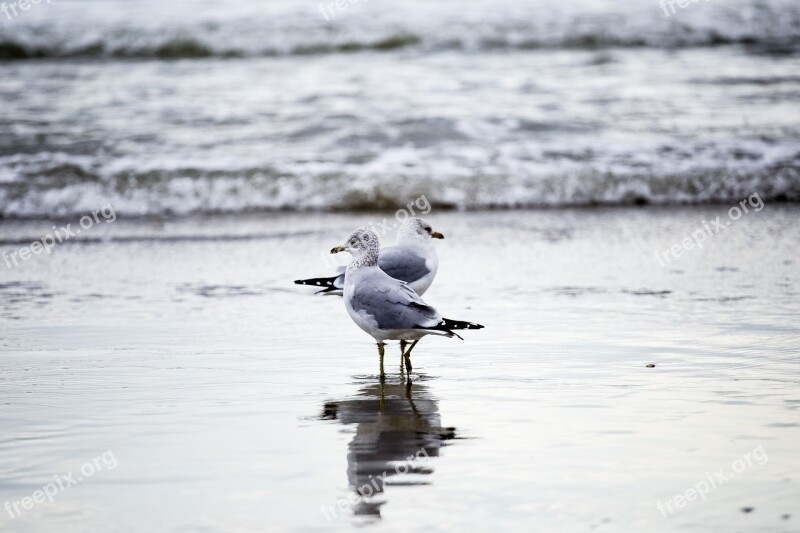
(412, 259)
(385, 307)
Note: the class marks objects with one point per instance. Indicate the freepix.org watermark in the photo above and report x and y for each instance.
(417, 207)
(700, 490)
(329, 10)
(57, 236)
(9, 9)
(669, 5)
(700, 235)
(48, 492)
(373, 486)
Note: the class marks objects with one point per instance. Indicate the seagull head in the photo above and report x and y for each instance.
(362, 242)
(415, 229)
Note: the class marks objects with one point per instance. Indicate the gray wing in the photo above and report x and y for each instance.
(393, 304)
(402, 263)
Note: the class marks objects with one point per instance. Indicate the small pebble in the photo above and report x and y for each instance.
(747, 509)
(651, 365)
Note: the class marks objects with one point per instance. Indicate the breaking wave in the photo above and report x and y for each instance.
(67, 186)
(111, 32)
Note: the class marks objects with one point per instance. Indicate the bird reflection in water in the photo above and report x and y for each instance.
(398, 428)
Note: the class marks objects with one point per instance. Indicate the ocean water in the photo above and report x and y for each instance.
(208, 107)
(206, 392)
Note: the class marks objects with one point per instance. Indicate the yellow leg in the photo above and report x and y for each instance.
(380, 353)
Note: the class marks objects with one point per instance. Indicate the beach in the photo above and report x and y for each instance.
(617, 185)
(232, 400)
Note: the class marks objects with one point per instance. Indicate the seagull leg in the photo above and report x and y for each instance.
(380, 353)
(407, 355)
(402, 351)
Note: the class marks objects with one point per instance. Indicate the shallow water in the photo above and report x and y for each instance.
(232, 400)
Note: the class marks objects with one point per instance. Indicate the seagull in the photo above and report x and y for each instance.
(384, 307)
(412, 259)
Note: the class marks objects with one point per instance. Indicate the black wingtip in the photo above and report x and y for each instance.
(318, 282)
(449, 325)
(460, 324)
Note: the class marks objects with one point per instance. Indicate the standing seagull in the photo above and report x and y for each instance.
(384, 307)
(412, 259)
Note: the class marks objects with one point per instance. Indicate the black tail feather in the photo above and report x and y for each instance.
(458, 324)
(326, 283)
(449, 325)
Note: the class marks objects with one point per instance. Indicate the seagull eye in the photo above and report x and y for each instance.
(353, 242)
(428, 229)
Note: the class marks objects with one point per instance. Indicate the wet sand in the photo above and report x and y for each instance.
(233, 400)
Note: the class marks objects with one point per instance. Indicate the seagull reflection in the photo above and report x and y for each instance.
(397, 429)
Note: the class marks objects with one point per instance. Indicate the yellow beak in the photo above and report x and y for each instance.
(337, 249)
(437, 235)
